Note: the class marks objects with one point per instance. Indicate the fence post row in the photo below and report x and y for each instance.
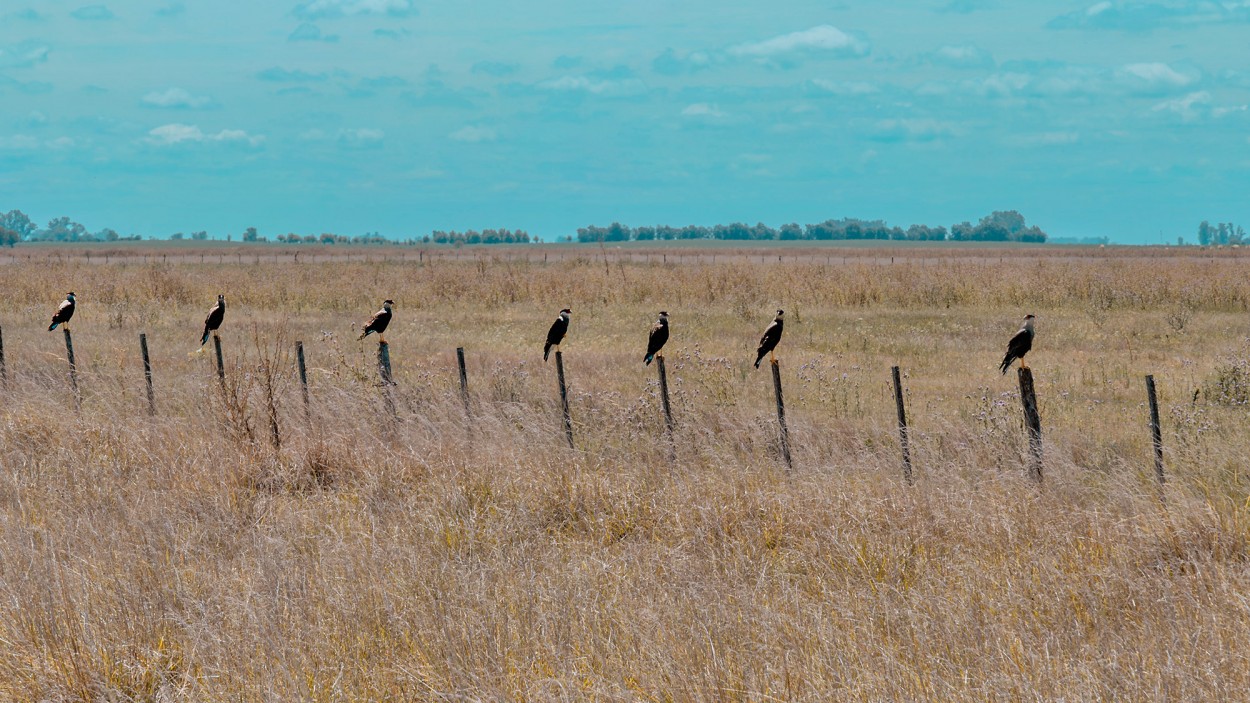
(73, 368)
(147, 372)
(564, 399)
(1032, 421)
(902, 424)
(781, 416)
(1156, 431)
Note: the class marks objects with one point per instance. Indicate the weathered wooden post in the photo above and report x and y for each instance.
(384, 370)
(1032, 421)
(1156, 431)
(4, 372)
(464, 382)
(902, 424)
(668, 410)
(221, 365)
(73, 367)
(303, 378)
(781, 416)
(147, 372)
(564, 399)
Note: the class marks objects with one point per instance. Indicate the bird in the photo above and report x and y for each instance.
(378, 322)
(1019, 345)
(556, 334)
(63, 313)
(768, 342)
(216, 314)
(655, 342)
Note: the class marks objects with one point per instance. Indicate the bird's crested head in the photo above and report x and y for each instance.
(221, 298)
(663, 315)
(780, 313)
(70, 297)
(388, 303)
(566, 312)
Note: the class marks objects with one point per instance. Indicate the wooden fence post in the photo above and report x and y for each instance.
(4, 371)
(902, 424)
(303, 378)
(668, 410)
(781, 416)
(1156, 431)
(73, 367)
(464, 382)
(384, 370)
(221, 366)
(1033, 421)
(564, 399)
(147, 372)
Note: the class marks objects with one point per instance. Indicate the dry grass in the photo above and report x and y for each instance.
(187, 557)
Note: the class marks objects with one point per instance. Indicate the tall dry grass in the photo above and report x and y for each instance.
(191, 556)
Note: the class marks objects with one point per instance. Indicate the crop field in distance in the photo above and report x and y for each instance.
(238, 547)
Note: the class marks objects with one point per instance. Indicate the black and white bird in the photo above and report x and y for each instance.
(63, 313)
(1019, 345)
(216, 314)
(768, 342)
(378, 322)
(555, 335)
(659, 335)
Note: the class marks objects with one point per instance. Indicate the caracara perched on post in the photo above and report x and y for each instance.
(63, 313)
(768, 342)
(555, 335)
(1019, 345)
(215, 315)
(378, 322)
(659, 335)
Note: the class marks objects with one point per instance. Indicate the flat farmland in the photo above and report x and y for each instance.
(239, 546)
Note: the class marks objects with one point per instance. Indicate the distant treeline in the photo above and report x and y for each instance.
(1000, 226)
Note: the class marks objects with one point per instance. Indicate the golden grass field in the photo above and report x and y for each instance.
(186, 557)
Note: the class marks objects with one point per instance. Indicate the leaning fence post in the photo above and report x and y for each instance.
(303, 378)
(221, 366)
(668, 410)
(464, 382)
(1033, 422)
(4, 372)
(147, 372)
(564, 399)
(902, 424)
(1156, 432)
(384, 370)
(781, 416)
(73, 367)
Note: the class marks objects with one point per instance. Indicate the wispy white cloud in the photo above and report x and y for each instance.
(1134, 15)
(176, 98)
(845, 87)
(704, 110)
(24, 55)
(911, 130)
(472, 134)
(823, 39)
(282, 75)
(361, 138)
(958, 56)
(329, 9)
(93, 13)
(177, 133)
(1153, 77)
(307, 31)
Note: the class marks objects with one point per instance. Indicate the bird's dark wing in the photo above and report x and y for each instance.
(379, 321)
(1020, 344)
(557, 331)
(655, 342)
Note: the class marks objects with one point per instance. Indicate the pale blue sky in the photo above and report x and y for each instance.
(1124, 119)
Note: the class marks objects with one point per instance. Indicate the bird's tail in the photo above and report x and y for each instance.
(647, 359)
(53, 326)
(1006, 364)
(757, 361)
(546, 352)
(362, 336)
(204, 339)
